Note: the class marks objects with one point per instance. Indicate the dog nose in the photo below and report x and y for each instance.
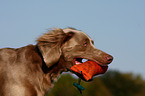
(109, 59)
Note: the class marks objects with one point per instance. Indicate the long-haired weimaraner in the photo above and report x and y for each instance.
(31, 70)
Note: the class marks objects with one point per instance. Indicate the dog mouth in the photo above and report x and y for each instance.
(86, 68)
(77, 61)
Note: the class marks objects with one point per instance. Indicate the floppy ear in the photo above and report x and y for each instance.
(50, 45)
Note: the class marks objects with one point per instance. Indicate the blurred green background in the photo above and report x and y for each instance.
(113, 83)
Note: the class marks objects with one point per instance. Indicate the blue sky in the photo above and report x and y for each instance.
(117, 26)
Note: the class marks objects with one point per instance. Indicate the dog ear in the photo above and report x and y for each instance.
(50, 45)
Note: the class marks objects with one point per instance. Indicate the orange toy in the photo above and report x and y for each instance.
(89, 69)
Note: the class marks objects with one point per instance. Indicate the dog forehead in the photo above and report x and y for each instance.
(78, 33)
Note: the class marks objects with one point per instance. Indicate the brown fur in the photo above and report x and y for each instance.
(31, 70)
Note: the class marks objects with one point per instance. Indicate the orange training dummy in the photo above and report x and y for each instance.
(89, 69)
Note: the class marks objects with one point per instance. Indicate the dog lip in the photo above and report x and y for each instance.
(75, 62)
(100, 64)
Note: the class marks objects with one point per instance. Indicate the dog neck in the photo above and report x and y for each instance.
(44, 67)
(55, 70)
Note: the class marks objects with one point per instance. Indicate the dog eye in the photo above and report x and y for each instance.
(92, 42)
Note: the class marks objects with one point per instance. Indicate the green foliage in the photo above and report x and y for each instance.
(121, 84)
(113, 83)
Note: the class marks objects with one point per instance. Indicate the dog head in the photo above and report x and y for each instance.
(81, 46)
(68, 47)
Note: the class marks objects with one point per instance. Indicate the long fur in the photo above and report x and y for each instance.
(31, 70)
(53, 37)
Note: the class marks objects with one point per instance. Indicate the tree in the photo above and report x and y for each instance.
(113, 83)
(122, 84)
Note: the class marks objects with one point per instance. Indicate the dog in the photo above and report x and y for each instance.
(31, 70)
